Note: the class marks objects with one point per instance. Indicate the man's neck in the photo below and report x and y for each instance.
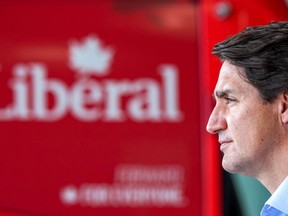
(275, 174)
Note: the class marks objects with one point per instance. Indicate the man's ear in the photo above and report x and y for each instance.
(284, 108)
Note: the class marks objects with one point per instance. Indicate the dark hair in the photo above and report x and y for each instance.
(263, 52)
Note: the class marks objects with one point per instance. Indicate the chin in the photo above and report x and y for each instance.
(232, 167)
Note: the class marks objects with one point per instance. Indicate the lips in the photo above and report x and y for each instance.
(224, 144)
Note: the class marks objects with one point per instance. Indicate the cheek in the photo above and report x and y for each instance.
(255, 130)
(240, 121)
(243, 129)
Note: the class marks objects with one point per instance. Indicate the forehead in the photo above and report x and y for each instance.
(232, 79)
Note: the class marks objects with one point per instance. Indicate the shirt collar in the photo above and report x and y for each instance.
(279, 198)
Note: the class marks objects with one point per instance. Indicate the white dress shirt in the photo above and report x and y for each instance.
(277, 204)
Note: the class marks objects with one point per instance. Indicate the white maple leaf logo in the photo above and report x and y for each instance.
(89, 56)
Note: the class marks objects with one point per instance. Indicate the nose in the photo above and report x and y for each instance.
(216, 122)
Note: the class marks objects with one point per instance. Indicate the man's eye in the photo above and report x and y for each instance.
(229, 100)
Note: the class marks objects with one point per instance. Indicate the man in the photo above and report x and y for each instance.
(251, 111)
